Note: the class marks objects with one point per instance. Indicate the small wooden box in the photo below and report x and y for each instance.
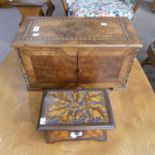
(79, 52)
(75, 115)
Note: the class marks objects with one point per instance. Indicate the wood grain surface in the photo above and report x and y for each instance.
(133, 110)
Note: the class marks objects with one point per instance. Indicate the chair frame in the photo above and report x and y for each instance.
(6, 4)
(150, 59)
(65, 6)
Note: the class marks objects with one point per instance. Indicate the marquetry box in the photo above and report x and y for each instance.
(68, 115)
(68, 52)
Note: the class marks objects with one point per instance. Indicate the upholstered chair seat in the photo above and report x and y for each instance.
(100, 8)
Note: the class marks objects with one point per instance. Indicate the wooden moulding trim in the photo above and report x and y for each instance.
(20, 45)
(79, 127)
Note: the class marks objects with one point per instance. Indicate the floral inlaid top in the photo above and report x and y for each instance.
(76, 107)
(73, 109)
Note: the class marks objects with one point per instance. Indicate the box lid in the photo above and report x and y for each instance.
(75, 110)
(77, 32)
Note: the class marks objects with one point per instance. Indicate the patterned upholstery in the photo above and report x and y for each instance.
(98, 8)
(130, 3)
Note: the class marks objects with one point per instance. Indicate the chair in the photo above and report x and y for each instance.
(150, 59)
(30, 7)
(98, 8)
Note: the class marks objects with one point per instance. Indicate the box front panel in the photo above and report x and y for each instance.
(50, 67)
(58, 136)
(104, 67)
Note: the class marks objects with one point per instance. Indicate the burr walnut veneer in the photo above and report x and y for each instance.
(76, 52)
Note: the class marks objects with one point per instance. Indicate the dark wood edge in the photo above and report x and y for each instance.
(22, 68)
(41, 106)
(21, 31)
(51, 8)
(130, 64)
(151, 55)
(25, 4)
(104, 126)
(109, 108)
(137, 5)
(5, 5)
(29, 88)
(150, 59)
(65, 6)
(75, 127)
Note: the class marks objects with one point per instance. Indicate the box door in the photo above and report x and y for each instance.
(50, 67)
(104, 67)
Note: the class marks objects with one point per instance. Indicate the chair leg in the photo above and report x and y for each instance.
(51, 8)
(145, 61)
(151, 54)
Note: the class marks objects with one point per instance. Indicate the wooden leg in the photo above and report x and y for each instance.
(51, 8)
(151, 55)
(150, 60)
(153, 5)
(145, 61)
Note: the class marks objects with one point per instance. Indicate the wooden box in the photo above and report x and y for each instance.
(79, 52)
(75, 115)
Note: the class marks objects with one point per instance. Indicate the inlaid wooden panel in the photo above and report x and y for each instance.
(50, 68)
(104, 67)
(58, 136)
(75, 110)
(71, 31)
(71, 67)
